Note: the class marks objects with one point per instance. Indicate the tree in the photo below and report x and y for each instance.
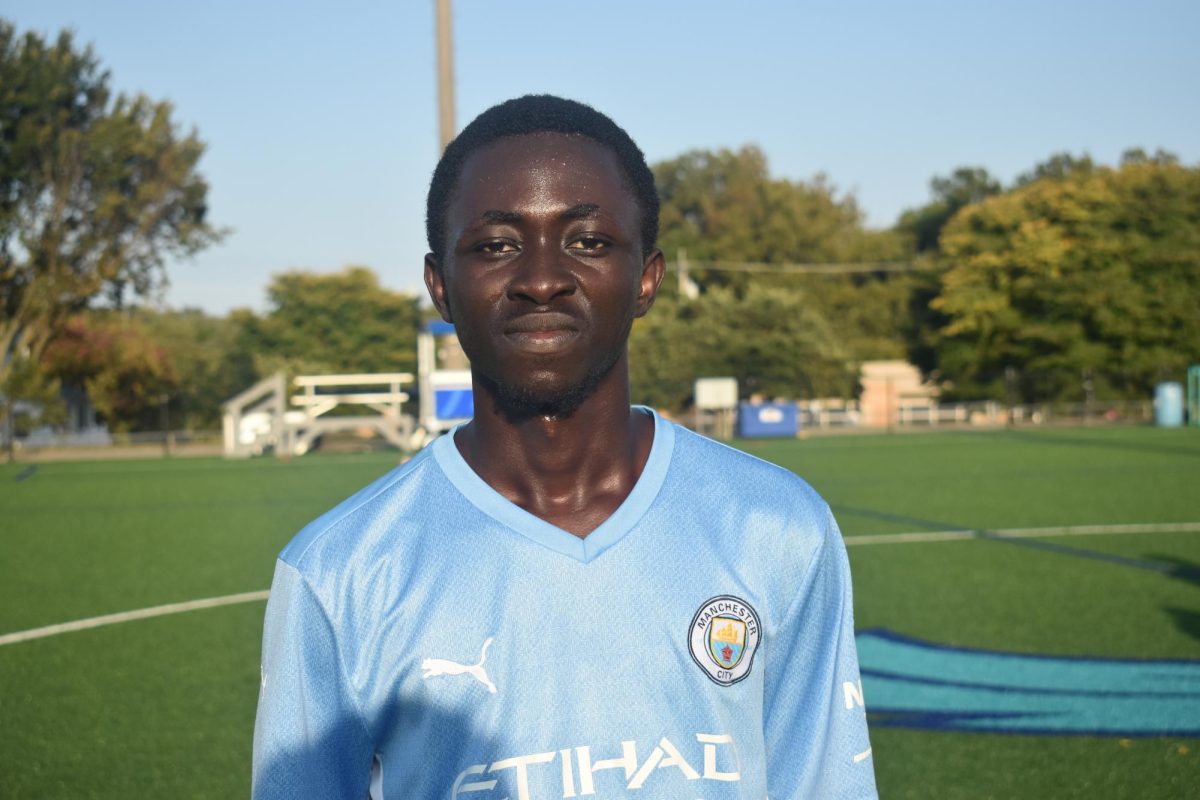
(39, 403)
(963, 187)
(725, 206)
(773, 340)
(1093, 274)
(208, 359)
(869, 313)
(96, 191)
(339, 322)
(1059, 165)
(125, 372)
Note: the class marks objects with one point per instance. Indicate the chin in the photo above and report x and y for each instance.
(519, 403)
(548, 397)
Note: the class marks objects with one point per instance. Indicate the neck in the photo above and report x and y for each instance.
(571, 471)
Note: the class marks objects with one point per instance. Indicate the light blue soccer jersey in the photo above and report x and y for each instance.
(427, 638)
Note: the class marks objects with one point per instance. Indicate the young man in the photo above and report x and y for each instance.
(566, 597)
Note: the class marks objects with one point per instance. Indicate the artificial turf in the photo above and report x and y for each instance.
(165, 706)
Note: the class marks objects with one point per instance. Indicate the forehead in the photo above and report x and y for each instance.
(542, 168)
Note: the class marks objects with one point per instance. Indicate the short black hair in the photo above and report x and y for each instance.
(539, 113)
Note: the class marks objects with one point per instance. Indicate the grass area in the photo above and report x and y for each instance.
(165, 706)
(161, 707)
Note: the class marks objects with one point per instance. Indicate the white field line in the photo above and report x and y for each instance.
(128, 616)
(882, 538)
(1023, 533)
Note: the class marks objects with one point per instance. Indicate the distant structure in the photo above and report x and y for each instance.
(716, 406)
(259, 419)
(266, 418)
(892, 390)
(252, 421)
(444, 375)
(1193, 395)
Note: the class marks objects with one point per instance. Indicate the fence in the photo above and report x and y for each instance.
(835, 414)
(98, 443)
(815, 417)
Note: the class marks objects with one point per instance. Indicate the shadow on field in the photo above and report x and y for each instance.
(1181, 569)
(435, 747)
(1040, 437)
(1186, 620)
(1165, 566)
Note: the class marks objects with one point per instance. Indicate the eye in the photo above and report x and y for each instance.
(496, 247)
(590, 244)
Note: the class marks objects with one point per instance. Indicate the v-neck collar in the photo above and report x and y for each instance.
(611, 531)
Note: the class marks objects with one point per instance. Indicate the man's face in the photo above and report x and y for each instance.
(543, 272)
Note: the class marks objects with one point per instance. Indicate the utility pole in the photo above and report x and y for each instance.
(445, 74)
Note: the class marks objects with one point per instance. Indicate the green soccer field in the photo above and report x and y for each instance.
(164, 706)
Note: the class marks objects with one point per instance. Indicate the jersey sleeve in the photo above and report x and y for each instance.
(815, 724)
(310, 739)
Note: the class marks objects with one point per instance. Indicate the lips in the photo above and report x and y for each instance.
(541, 322)
(541, 331)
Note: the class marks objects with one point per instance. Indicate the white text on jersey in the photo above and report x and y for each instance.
(578, 770)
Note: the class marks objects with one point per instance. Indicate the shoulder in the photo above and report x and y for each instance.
(763, 521)
(704, 461)
(334, 536)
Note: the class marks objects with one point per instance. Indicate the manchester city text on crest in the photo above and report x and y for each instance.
(724, 637)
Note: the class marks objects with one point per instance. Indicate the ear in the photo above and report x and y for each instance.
(653, 269)
(435, 282)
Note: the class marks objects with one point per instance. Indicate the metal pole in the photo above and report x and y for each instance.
(165, 423)
(890, 404)
(445, 74)
(10, 450)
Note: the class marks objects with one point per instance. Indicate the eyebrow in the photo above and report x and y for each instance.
(582, 211)
(578, 211)
(494, 217)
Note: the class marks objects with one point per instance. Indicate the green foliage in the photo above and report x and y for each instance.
(663, 356)
(782, 333)
(339, 322)
(95, 190)
(772, 340)
(868, 313)
(1096, 273)
(966, 185)
(207, 359)
(28, 398)
(1059, 165)
(725, 206)
(125, 372)
(128, 361)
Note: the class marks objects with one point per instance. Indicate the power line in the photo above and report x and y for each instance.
(795, 268)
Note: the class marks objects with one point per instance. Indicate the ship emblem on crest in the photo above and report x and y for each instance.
(727, 640)
(723, 638)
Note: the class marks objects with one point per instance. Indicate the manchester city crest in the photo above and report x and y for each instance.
(724, 637)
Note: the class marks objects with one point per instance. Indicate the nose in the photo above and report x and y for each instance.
(541, 275)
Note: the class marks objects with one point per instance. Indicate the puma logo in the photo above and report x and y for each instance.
(432, 667)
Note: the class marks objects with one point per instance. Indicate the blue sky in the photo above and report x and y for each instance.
(320, 118)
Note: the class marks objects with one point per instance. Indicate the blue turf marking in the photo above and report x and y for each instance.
(909, 683)
(26, 473)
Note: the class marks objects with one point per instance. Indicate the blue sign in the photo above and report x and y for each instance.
(909, 683)
(439, 328)
(453, 403)
(759, 420)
